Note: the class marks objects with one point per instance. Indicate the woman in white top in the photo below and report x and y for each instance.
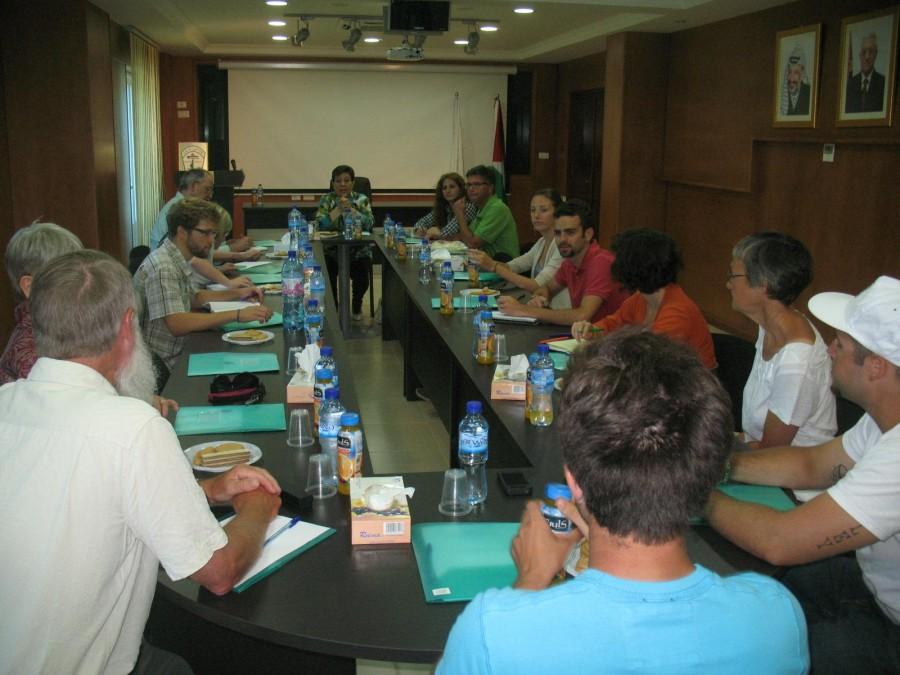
(787, 398)
(542, 260)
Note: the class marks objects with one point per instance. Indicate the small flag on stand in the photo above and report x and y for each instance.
(498, 158)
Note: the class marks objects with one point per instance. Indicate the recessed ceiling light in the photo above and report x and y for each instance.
(280, 38)
(523, 10)
(276, 3)
(461, 42)
(488, 28)
(277, 22)
(372, 40)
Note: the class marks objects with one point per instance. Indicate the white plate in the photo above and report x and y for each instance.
(231, 340)
(490, 292)
(277, 256)
(255, 455)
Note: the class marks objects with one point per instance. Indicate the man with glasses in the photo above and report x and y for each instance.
(168, 301)
(493, 230)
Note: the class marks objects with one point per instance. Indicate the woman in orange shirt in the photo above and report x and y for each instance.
(647, 263)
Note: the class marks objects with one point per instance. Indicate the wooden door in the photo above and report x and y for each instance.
(585, 147)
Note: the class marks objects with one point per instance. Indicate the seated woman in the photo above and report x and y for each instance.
(450, 206)
(647, 263)
(787, 398)
(542, 260)
(330, 217)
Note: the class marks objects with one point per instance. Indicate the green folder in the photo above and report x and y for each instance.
(268, 268)
(766, 495)
(482, 276)
(216, 363)
(225, 419)
(263, 278)
(459, 560)
(560, 360)
(275, 320)
(457, 302)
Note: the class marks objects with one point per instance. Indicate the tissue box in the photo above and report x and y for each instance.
(502, 387)
(391, 526)
(299, 390)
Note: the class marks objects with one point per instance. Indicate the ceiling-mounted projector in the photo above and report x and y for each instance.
(405, 52)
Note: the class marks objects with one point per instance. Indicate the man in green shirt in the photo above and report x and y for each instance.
(493, 229)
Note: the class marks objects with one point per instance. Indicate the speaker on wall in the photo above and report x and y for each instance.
(417, 16)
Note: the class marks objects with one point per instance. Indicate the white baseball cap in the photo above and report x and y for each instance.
(872, 318)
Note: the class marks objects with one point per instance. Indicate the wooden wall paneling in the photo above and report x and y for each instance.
(177, 82)
(613, 133)
(582, 74)
(6, 224)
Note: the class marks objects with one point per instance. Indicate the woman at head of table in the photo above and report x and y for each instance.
(542, 259)
(787, 398)
(330, 217)
(450, 207)
(647, 264)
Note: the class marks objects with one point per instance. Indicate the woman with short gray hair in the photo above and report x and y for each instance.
(787, 398)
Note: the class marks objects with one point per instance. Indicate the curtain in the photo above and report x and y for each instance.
(147, 135)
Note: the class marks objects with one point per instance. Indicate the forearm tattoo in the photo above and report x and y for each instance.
(838, 472)
(841, 537)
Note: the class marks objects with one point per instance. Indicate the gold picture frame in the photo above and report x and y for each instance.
(868, 59)
(796, 82)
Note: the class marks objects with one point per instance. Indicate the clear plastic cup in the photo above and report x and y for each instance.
(501, 352)
(455, 496)
(300, 429)
(320, 481)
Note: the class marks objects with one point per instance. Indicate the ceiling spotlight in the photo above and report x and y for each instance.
(372, 39)
(488, 28)
(276, 3)
(277, 23)
(349, 44)
(280, 38)
(302, 34)
(523, 10)
(472, 42)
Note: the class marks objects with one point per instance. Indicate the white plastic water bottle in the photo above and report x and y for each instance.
(302, 230)
(389, 231)
(473, 451)
(317, 285)
(542, 381)
(425, 262)
(309, 263)
(330, 422)
(348, 223)
(313, 323)
(326, 360)
(292, 293)
(294, 229)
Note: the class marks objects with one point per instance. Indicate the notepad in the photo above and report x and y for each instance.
(565, 346)
(226, 419)
(263, 268)
(281, 550)
(482, 276)
(500, 316)
(217, 363)
(275, 320)
(766, 495)
(248, 264)
(230, 305)
(264, 278)
(459, 560)
(457, 302)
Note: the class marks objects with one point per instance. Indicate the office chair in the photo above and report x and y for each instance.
(735, 358)
(362, 185)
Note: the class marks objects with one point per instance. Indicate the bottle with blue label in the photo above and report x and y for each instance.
(347, 223)
(330, 424)
(317, 285)
(322, 384)
(532, 359)
(292, 293)
(350, 451)
(481, 307)
(302, 230)
(326, 360)
(425, 262)
(473, 451)
(294, 230)
(309, 264)
(484, 340)
(400, 241)
(313, 323)
(446, 288)
(389, 232)
(542, 380)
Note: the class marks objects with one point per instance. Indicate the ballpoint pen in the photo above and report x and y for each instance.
(281, 530)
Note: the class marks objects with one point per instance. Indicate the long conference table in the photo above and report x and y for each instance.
(336, 602)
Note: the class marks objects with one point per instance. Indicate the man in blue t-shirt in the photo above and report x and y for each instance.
(645, 430)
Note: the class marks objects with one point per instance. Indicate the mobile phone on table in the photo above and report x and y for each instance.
(514, 483)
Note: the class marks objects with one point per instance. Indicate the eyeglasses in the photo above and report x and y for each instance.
(730, 276)
(475, 185)
(204, 233)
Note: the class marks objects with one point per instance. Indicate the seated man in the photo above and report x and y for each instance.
(163, 286)
(586, 272)
(852, 604)
(493, 229)
(644, 429)
(95, 489)
(29, 249)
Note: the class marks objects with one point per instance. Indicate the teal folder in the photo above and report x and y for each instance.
(226, 419)
(216, 363)
(560, 360)
(766, 495)
(263, 278)
(482, 276)
(457, 302)
(275, 320)
(269, 268)
(459, 560)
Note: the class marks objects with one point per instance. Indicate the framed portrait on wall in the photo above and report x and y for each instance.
(868, 59)
(797, 76)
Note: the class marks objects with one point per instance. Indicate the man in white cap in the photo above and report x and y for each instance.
(852, 603)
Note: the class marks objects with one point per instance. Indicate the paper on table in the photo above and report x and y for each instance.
(264, 278)
(276, 320)
(565, 346)
(440, 254)
(215, 363)
(229, 419)
(247, 264)
(500, 316)
(229, 306)
(457, 302)
(281, 550)
(265, 243)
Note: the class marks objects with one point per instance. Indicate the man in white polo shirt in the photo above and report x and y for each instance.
(852, 604)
